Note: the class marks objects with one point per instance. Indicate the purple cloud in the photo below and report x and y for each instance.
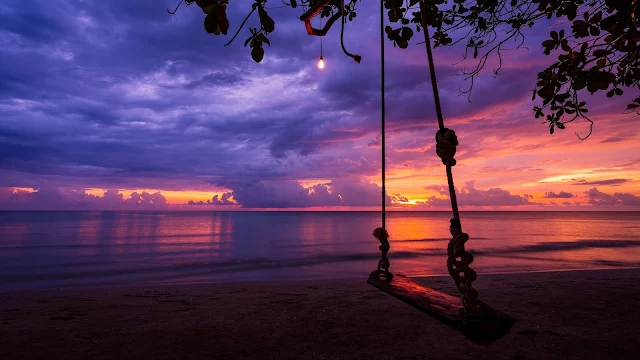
(560, 195)
(224, 200)
(291, 194)
(597, 197)
(79, 199)
(612, 182)
(628, 199)
(470, 196)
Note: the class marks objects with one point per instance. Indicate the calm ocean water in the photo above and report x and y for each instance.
(61, 249)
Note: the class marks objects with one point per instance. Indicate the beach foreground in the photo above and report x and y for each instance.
(561, 315)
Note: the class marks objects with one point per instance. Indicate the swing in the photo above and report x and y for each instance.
(475, 319)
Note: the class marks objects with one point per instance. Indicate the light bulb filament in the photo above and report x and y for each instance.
(321, 63)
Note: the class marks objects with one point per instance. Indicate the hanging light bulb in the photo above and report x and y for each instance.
(321, 61)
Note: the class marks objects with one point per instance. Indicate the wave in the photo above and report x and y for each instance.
(257, 264)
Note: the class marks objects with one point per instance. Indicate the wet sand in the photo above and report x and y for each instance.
(562, 315)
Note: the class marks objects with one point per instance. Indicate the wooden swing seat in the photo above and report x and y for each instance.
(445, 308)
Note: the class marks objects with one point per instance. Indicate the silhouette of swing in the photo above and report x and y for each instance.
(472, 317)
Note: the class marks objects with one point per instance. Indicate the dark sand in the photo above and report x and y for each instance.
(566, 315)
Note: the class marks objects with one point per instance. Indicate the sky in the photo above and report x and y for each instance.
(109, 105)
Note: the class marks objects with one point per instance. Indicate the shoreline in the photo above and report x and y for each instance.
(588, 314)
(419, 277)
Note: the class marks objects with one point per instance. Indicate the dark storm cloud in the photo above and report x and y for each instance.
(291, 194)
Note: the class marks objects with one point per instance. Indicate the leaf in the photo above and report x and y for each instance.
(209, 9)
(294, 4)
(264, 39)
(257, 54)
(223, 22)
(475, 52)
(267, 22)
(593, 86)
(211, 23)
(560, 125)
(579, 83)
(482, 23)
(600, 53)
(609, 21)
(407, 33)
(571, 10)
(551, 129)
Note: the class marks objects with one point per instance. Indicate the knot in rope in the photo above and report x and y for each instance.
(383, 265)
(460, 271)
(446, 142)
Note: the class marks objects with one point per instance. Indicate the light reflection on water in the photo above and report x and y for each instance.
(41, 249)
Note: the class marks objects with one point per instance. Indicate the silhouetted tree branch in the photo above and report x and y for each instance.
(600, 52)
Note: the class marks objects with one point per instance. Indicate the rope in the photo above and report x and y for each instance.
(321, 37)
(441, 135)
(452, 194)
(381, 233)
(382, 97)
(446, 142)
(434, 83)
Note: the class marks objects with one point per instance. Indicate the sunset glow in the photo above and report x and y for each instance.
(194, 125)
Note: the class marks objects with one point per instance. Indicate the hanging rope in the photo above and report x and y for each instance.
(446, 139)
(382, 97)
(446, 143)
(381, 233)
(321, 38)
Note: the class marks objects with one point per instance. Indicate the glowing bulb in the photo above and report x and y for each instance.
(321, 63)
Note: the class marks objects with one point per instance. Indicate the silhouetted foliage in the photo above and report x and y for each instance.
(600, 52)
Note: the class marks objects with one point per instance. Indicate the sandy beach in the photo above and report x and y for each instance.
(560, 315)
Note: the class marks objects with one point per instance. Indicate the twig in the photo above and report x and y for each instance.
(241, 26)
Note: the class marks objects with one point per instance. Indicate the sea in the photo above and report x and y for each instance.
(55, 250)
